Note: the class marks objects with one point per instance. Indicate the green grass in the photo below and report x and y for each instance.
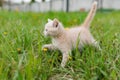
(21, 39)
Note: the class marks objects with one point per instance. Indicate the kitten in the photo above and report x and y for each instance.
(66, 40)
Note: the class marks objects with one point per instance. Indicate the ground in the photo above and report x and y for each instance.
(21, 39)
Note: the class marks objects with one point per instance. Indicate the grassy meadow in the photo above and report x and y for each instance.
(21, 39)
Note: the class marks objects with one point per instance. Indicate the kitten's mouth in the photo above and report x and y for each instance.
(45, 34)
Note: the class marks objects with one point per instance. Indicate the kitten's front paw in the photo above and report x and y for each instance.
(44, 48)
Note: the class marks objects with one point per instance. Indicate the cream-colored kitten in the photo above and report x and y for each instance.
(66, 40)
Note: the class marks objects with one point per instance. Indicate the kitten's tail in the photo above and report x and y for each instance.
(90, 15)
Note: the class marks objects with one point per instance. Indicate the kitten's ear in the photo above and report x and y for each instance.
(55, 22)
(49, 20)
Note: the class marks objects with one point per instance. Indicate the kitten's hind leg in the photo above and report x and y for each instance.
(96, 45)
(65, 58)
(49, 46)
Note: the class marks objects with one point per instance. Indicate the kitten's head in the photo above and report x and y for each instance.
(53, 28)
